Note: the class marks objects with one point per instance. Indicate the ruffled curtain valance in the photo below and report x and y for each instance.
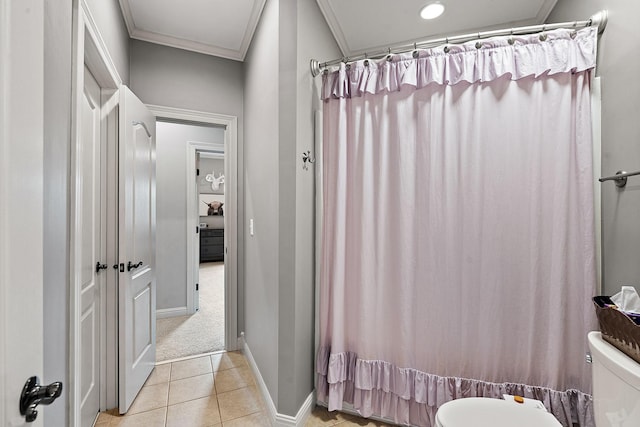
(557, 51)
(409, 396)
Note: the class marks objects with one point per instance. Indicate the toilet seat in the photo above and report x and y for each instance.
(486, 412)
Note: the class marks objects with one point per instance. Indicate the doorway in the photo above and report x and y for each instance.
(183, 179)
(191, 306)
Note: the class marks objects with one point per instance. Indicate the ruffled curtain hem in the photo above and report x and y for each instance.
(558, 51)
(411, 397)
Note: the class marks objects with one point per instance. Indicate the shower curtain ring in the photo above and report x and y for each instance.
(543, 36)
(478, 43)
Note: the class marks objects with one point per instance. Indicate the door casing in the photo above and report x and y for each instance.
(231, 205)
(89, 48)
(88, 247)
(193, 243)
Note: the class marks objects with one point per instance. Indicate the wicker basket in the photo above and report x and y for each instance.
(618, 329)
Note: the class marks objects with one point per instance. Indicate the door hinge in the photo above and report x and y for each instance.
(197, 229)
(197, 287)
(198, 172)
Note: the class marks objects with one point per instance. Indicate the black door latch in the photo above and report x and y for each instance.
(34, 394)
(100, 267)
(131, 266)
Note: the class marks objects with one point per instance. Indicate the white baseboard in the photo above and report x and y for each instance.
(171, 312)
(240, 342)
(279, 420)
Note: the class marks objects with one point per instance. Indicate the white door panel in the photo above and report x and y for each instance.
(88, 251)
(137, 285)
(21, 197)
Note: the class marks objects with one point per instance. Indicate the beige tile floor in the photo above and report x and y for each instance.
(321, 417)
(216, 390)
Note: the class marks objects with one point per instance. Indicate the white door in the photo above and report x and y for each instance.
(136, 247)
(88, 254)
(21, 198)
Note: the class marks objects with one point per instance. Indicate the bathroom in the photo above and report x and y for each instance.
(276, 285)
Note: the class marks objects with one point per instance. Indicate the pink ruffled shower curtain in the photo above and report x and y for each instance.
(458, 249)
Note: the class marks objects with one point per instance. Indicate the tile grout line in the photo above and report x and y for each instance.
(166, 413)
(246, 385)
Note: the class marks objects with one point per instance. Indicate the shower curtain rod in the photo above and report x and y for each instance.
(599, 19)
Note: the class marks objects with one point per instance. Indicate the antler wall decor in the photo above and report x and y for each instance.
(215, 181)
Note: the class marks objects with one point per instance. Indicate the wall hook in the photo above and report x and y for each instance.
(306, 157)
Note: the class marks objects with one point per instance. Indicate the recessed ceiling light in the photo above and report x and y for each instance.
(432, 11)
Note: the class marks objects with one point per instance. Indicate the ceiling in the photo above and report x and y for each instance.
(368, 25)
(215, 27)
(225, 27)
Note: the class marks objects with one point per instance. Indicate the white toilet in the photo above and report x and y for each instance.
(486, 412)
(616, 398)
(616, 385)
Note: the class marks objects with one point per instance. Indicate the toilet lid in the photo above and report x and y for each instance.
(485, 412)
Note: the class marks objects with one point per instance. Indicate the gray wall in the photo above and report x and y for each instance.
(166, 76)
(620, 133)
(113, 30)
(280, 98)
(171, 207)
(262, 170)
(177, 78)
(315, 41)
(57, 140)
(207, 166)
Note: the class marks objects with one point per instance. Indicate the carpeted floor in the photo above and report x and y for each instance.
(202, 332)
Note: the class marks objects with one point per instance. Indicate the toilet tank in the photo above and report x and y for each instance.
(616, 385)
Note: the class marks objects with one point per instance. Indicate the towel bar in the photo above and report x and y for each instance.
(620, 178)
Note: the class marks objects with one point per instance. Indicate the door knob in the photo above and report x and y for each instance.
(34, 394)
(131, 266)
(100, 267)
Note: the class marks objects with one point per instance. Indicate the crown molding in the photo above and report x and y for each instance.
(204, 48)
